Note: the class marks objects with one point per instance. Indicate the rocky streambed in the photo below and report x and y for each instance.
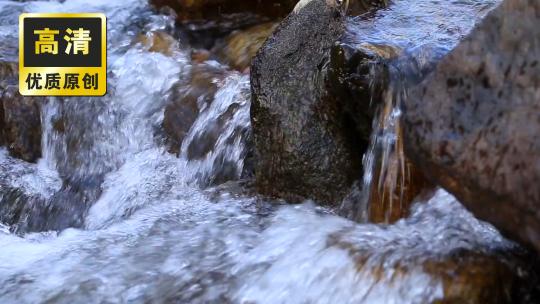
(279, 152)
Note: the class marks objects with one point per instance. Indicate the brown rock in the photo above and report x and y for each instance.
(200, 56)
(241, 46)
(20, 117)
(469, 277)
(474, 125)
(466, 276)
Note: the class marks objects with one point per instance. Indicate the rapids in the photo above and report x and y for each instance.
(153, 230)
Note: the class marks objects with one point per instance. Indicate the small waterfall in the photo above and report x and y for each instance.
(87, 141)
(153, 174)
(225, 124)
(384, 163)
(390, 182)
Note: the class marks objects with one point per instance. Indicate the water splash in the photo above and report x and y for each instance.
(228, 116)
(236, 249)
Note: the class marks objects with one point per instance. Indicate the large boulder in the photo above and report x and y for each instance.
(300, 148)
(314, 100)
(474, 124)
(20, 117)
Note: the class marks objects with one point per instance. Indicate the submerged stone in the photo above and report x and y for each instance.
(186, 101)
(159, 42)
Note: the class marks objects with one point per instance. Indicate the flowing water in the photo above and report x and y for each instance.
(407, 39)
(150, 230)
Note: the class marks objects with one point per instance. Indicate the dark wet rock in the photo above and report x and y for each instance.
(204, 142)
(474, 125)
(59, 124)
(223, 9)
(203, 34)
(14, 204)
(308, 139)
(22, 124)
(76, 137)
(227, 171)
(3, 139)
(179, 117)
(240, 47)
(298, 154)
(185, 102)
(359, 75)
(66, 208)
(248, 172)
(20, 117)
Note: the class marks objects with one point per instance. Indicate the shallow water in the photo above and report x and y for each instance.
(153, 232)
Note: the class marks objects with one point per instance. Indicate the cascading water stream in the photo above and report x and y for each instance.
(152, 231)
(408, 39)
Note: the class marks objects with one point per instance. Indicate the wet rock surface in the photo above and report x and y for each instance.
(356, 80)
(359, 76)
(27, 213)
(301, 151)
(473, 125)
(15, 205)
(20, 117)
